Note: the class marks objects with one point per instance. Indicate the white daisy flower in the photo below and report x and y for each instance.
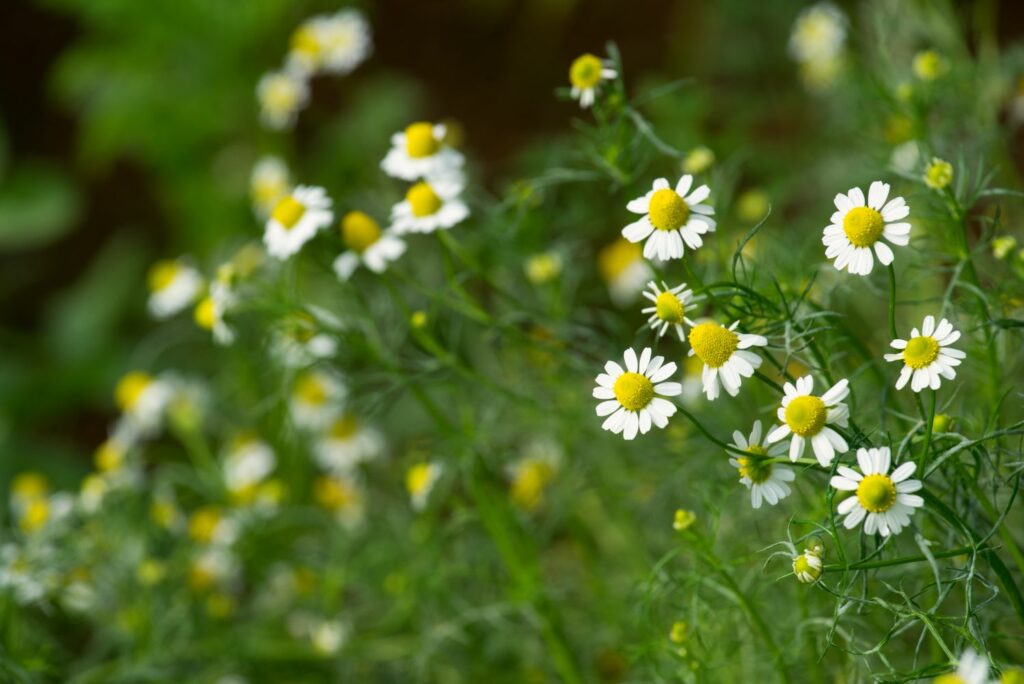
(429, 205)
(766, 481)
(420, 151)
(669, 308)
(530, 474)
(927, 356)
(807, 417)
(858, 226)
(671, 218)
(281, 95)
(585, 75)
(346, 444)
(341, 494)
(247, 464)
(367, 244)
(301, 341)
(972, 669)
(336, 44)
(213, 566)
(819, 33)
(725, 355)
(883, 502)
(24, 579)
(173, 287)
(295, 219)
(808, 566)
(633, 398)
(143, 401)
(269, 182)
(622, 267)
(316, 399)
(419, 482)
(210, 311)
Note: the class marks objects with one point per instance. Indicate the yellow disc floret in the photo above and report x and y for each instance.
(876, 493)
(420, 141)
(359, 231)
(162, 274)
(920, 352)
(344, 428)
(634, 391)
(205, 313)
(669, 308)
(668, 211)
(305, 41)
(288, 211)
(585, 72)
(423, 200)
(754, 466)
(863, 226)
(309, 389)
(130, 388)
(419, 478)
(614, 259)
(713, 344)
(806, 415)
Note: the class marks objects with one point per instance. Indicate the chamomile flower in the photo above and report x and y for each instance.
(586, 74)
(269, 182)
(342, 495)
(858, 226)
(633, 399)
(209, 525)
(173, 286)
(669, 308)
(419, 483)
(623, 269)
(301, 339)
(766, 481)
(367, 244)
(346, 443)
(972, 669)
(248, 462)
(281, 95)
(672, 218)
(725, 354)
(530, 474)
(143, 401)
(927, 356)
(420, 151)
(807, 418)
(295, 219)
(336, 43)
(211, 309)
(430, 205)
(883, 501)
(316, 400)
(819, 33)
(808, 566)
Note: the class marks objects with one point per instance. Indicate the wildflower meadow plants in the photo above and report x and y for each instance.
(461, 462)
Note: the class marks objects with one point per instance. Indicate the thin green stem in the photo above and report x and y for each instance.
(929, 423)
(892, 302)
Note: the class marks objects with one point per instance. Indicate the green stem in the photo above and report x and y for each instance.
(929, 422)
(892, 302)
(903, 560)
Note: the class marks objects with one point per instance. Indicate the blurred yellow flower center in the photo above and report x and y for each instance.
(203, 524)
(951, 678)
(585, 72)
(335, 494)
(288, 211)
(304, 41)
(344, 427)
(669, 308)
(863, 226)
(109, 457)
(920, 352)
(876, 493)
(423, 200)
(309, 389)
(281, 95)
(668, 211)
(420, 141)
(130, 389)
(162, 274)
(806, 415)
(35, 515)
(939, 174)
(419, 478)
(634, 391)
(205, 314)
(617, 257)
(528, 485)
(29, 486)
(713, 344)
(755, 466)
(359, 231)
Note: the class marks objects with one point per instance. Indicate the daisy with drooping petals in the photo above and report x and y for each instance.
(671, 218)
(972, 669)
(724, 354)
(367, 244)
(173, 286)
(883, 501)
(281, 95)
(669, 308)
(585, 74)
(430, 205)
(295, 219)
(766, 481)
(633, 398)
(420, 151)
(927, 356)
(807, 417)
(858, 226)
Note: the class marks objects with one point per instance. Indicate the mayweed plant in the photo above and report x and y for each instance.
(362, 445)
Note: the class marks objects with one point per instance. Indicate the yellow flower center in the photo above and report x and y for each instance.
(359, 231)
(951, 678)
(30, 485)
(614, 259)
(203, 524)
(802, 565)
(713, 343)
(668, 211)
(863, 226)
(109, 457)
(528, 485)
(420, 141)
(876, 493)
(755, 466)
(310, 390)
(305, 41)
(669, 308)
(162, 274)
(634, 391)
(419, 478)
(335, 494)
(585, 72)
(288, 211)
(130, 388)
(281, 95)
(422, 199)
(920, 352)
(35, 516)
(344, 427)
(204, 314)
(806, 415)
